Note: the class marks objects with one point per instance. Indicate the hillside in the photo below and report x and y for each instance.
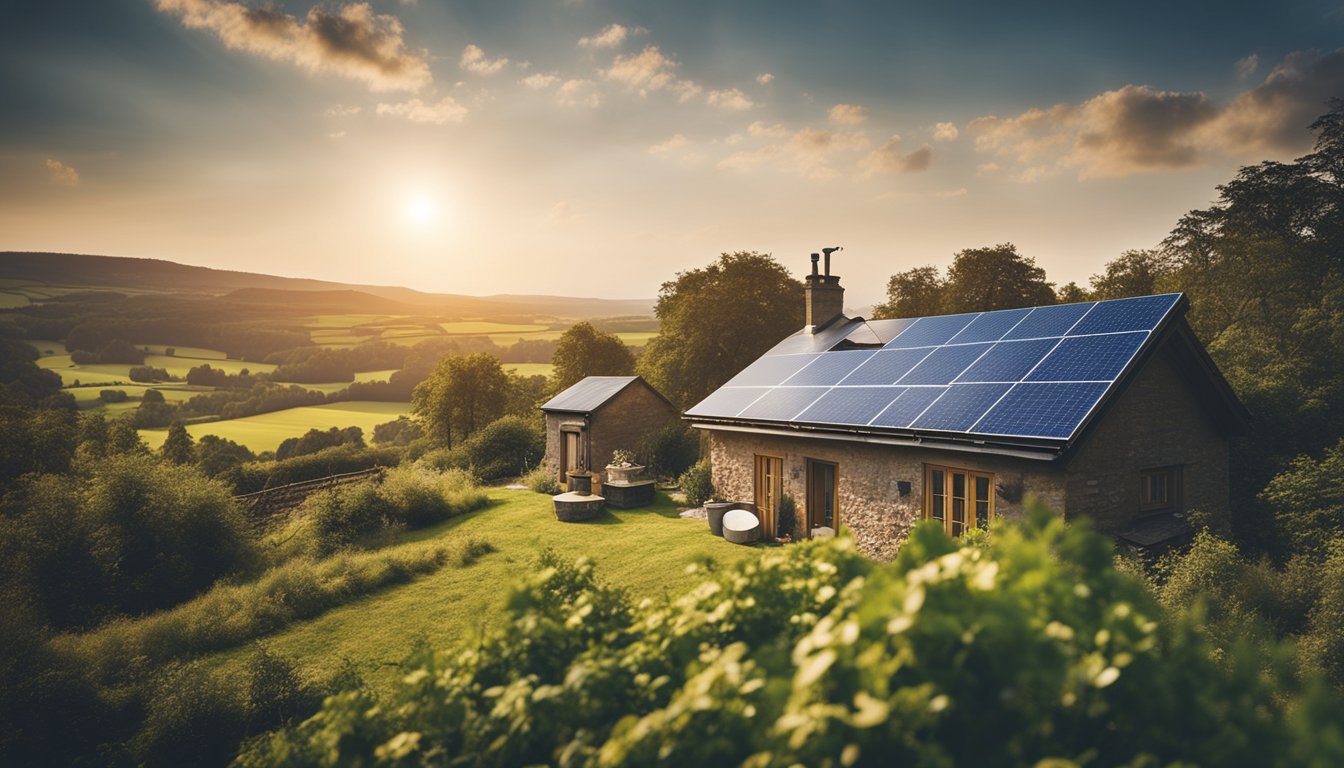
(94, 271)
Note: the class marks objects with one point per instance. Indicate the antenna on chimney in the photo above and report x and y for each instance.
(828, 252)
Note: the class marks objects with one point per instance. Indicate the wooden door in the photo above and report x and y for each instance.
(571, 453)
(823, 498)
(769, 487)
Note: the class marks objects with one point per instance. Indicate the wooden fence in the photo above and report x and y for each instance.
(263, 508)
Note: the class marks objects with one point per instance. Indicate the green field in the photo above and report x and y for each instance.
(530, 369)
(57, 360)
(485, 328)
(266, 431)
(173, 393)
(645, 551)
(10, 299)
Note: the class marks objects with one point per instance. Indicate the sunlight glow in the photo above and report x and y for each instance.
(421, 209)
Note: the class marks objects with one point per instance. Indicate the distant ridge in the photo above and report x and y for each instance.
(159, 275)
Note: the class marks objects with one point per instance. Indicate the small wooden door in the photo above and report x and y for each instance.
(769, 487)
(823, 499)
(571, 453)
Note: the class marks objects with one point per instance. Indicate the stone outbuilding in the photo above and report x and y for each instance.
(1110, 410)
(586, 423)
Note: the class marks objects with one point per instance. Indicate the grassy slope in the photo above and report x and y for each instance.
(644, 550)
(266, 431)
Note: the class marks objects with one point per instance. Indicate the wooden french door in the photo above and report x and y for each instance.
(958, 498)
(769, 487)
(823, 498)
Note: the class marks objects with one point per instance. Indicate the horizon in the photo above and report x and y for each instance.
(476, 150)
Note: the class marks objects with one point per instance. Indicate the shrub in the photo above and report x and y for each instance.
(112, 395)
(256, 475)
(401, 431)
(542, 480)
(786, 518)
(192, 718)
(146, 373)
(417, 496)
(670, 451)
(697, 485)
(315, 440)
(504, 448)
(344, 517)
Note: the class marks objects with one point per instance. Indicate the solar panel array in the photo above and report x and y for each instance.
(587, 394)
(1032, 373)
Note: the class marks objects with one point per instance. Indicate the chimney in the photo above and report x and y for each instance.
(823, 294)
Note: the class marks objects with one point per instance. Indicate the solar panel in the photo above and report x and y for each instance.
(1032, 372)
(782, 403)
(960, 407)
(1048, 321)
(1008, 361)
(944, 364)
(1137, 314)
(850, 405)
(930, 331)
(1041, 410)
(886, 367)
(770, 370)
(587, 394)
(1089, 358)
(907, 407)
(829, 369)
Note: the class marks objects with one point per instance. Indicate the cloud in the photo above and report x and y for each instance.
(62, 173)
(958, 192)
(352, 41)
(474, 60)
(676, 142)
(1247, 66)
(341, 110)
(807, 152)
(579, 93)
(445, 111)
(611, 36)
(540, 81)
(730, 99)
(648, 71)
(765, 78)
(945, 132)
(760, 129)
(848, 114)
(1138, 129)
(888, 160)
(562, 213)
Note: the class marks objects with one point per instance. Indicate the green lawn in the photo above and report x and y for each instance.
(646, 551)
(266, 431)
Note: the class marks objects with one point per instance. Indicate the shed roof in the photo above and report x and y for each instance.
(589, 394)
(1025, 382)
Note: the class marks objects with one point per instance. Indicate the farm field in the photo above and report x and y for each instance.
(176, 365)
(530, 369)
(266, 431)
(646, 551)
(173, 393)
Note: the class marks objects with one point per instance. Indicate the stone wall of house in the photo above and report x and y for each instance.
(870, 505)
(625, 421)
(1157, 421)
(553, 423)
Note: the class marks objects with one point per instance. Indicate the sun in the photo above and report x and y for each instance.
(421, 209)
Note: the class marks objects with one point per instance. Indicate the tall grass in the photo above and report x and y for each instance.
(231, 614)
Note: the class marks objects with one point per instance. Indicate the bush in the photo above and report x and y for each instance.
(315, 440)
(147, 374)
(542, 480)
(401, 431)
(506, 447)
(786, 518)
(256, 475)
(697, 485)
(112, 395)
(417, 496)
(670, 451)
(344, 517)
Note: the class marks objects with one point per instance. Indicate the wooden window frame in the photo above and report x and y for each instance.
(835, 494)
(1175, 481)
(972, 519)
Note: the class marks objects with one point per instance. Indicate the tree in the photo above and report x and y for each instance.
(1134, 273)
(1308, 501)
(716, 320)
(986, 279)
(585, 351)
(1071, 293)
(915, 292)
(461, 395)
(178, 447)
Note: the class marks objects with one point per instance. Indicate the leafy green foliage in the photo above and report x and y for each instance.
(717, 319)
(255, 475)
(462, 395)
(1134, 273)
(178, 446)
(417, 496)
(507, 447)
(1308, 500)
(344, 517)
(670, 450)
(813, 655)
(916, 292)
(585, 351)
(697, 484)
(978, 280)
(542, 480)
(401, 431)
(315, 440)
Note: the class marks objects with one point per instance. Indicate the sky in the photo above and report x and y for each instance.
(594, 148)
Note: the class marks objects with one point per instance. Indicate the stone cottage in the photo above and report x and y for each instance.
(586, 423)
(1110, 410)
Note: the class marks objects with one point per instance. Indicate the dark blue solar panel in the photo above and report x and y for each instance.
(850, 405)
(943, 365)
(1048, 321)
(930, 331)
(829, 368)
(1008, 360)
(886, 367)
(1089, 358)
(1041, 410)
(782, 403)
(726, 402)
(907, 407)
(961, 407)
(990, 326)
(770, 370)
(1137, 314)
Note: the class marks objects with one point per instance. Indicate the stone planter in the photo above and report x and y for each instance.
(576, 507)
(715, 511)
(580, 482)
(618, 474)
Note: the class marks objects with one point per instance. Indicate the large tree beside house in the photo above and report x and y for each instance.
(585, 351)
(716, 319)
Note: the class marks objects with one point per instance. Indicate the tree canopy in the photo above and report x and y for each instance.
(978, 280)
(716, 320)
(462, 394)
(585, 351)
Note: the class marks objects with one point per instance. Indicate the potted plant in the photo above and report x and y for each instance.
(623, 468)
(785, 518)
(715, 509)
